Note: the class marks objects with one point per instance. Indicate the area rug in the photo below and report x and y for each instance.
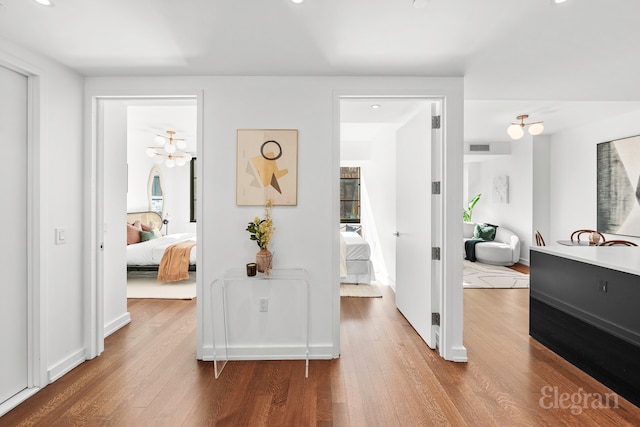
(360, 291)
(478, 275)
(145, 285)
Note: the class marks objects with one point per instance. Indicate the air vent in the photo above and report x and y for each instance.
(479, 147)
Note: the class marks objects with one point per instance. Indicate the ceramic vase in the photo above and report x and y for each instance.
(263, 261)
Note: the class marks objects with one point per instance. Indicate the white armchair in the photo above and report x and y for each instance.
(503, 250)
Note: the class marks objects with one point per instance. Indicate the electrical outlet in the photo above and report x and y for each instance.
(603, 286)
(264, 304)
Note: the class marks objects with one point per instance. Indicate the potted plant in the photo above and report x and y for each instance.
(466, 213)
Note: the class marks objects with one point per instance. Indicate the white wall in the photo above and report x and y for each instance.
(306, 234)
(61, 180)
(573, 199)
(379, 175)
(517, 214)
(142, 125)
(541, 186)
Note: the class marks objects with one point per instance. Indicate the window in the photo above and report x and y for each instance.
(349, 195)
(194, 191)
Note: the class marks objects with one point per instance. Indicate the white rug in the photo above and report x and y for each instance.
(360, 291)
(478, 275)
(144, 285)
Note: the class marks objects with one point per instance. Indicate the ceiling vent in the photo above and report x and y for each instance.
(479, 147)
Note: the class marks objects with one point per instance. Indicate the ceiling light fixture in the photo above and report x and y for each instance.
(375, 106)
(559, 1)
(172, 153)
(515, 130)
(44, 2)
(297, 1)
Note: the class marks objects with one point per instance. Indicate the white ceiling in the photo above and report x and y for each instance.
(517, 56)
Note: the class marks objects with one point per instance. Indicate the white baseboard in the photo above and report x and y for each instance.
(66, 365)
(17, 399)
(116, 324)
(269, 353)
(457, 354)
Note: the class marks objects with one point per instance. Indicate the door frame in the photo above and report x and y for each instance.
(94, 299)
(36, 223)
(450, 345)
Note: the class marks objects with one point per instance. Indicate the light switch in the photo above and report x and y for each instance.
(61, 236)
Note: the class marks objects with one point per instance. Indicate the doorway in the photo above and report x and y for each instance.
(393, 143)
(14, 251)
(125, 127)
(22, 364)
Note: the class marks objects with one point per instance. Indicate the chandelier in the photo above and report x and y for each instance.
(515, 130)
(169, 150)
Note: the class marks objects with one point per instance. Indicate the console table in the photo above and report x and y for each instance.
(253, 293)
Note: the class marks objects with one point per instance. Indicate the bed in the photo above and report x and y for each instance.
(355, 259)
(146, 255)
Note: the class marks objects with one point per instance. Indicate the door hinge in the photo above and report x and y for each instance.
(435, 122)
(435, 253)
(435, 187)
(435, 319)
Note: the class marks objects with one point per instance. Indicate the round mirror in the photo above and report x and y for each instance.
(155, 190)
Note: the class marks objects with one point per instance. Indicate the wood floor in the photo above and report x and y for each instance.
(148, 376)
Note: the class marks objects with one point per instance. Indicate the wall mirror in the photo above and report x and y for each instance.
(155, 191)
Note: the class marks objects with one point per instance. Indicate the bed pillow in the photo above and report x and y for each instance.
(147, 235)
(151, 227)
(133, 234)
(484, 231)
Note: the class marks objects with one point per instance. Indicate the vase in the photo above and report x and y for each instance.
(264, 258)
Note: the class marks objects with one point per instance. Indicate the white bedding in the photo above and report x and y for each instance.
(151, 251)
(355, 265)
(357, 248)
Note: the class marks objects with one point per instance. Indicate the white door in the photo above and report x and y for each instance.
(13, 251)
(413, 219)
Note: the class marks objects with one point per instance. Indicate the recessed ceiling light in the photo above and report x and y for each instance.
(297, 1)
(44, 2)
(559, 1)
(375, 106)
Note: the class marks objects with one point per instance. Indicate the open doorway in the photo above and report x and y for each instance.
(146, 200)
(380, 140)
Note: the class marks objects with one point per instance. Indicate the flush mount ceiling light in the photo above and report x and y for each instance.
(44, 2)
(169, 150)
(558, 1)
(297, 1)
(516, 130)
(375, 106)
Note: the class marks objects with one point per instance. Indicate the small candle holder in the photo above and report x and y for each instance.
(252, 268)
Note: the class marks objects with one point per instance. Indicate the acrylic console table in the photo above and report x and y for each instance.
(257, 313)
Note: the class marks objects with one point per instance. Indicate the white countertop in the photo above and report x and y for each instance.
(621, 258)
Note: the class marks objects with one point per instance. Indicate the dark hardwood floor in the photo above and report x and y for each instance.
(520, 267)
(386, 376)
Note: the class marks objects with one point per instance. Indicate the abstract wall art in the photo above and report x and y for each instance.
(267, 167)
(619, 186)
(501, 189)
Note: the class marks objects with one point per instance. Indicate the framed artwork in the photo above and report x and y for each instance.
(618, 186)
(501, 189)
(267, 167)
